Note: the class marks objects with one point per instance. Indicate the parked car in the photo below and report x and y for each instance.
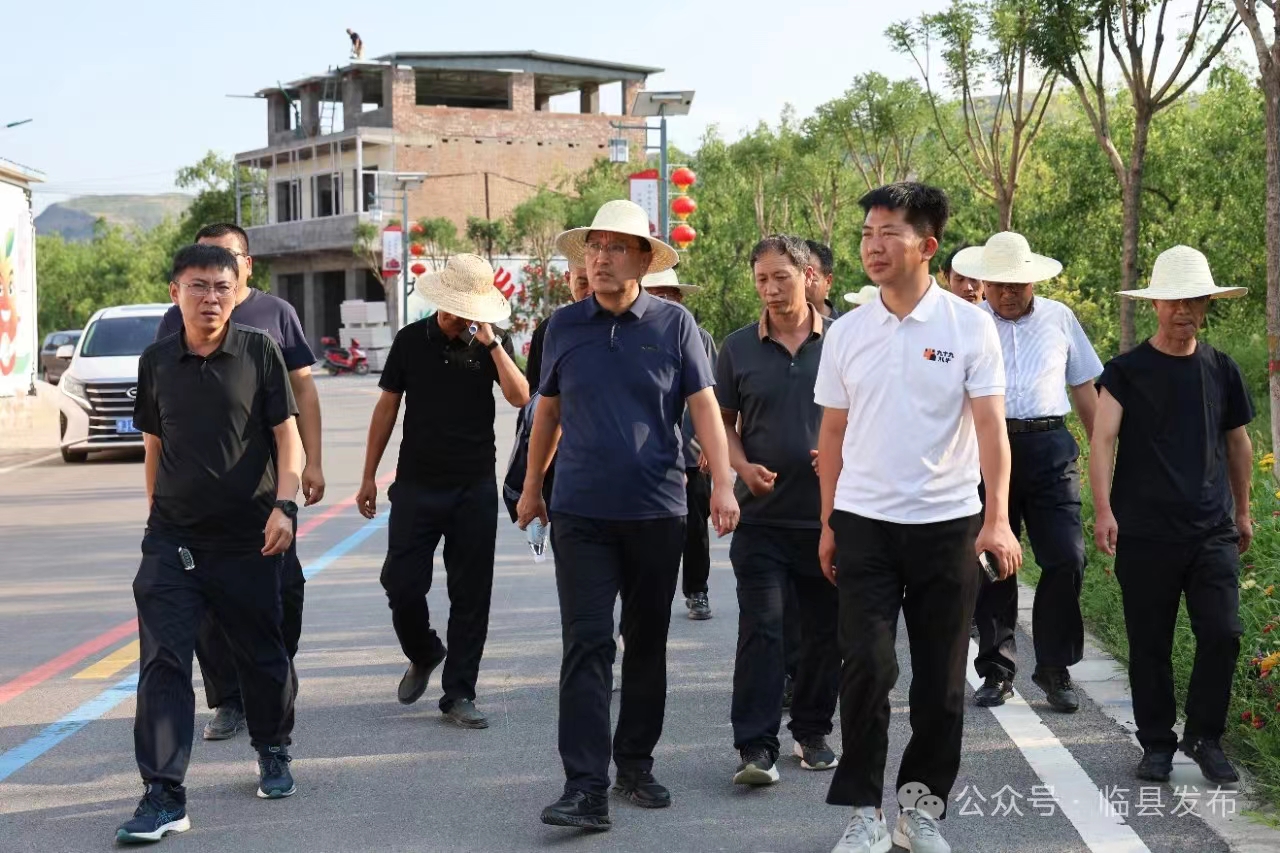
(101, 382)
(51, 363)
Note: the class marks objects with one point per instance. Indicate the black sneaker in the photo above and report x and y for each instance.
(759, 767)
(814, 754)
(1208, 754)
(1156, 764)
(160, 812)
(414, 682)
(275, 782)
(641, 788)
(1058, 689)
(699, 606)
(788, 691)
(993, 692)
(227, 721)
(463, 713)
(579, 810)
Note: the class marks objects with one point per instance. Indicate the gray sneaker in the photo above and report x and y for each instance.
(865, 833)
(463, 713)
(227, 722)
(919, 833)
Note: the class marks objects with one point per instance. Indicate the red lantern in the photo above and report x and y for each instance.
(683, 178)
(418, 269)
(683, 206)
(682, 235)
(416, 250)
(416, 228)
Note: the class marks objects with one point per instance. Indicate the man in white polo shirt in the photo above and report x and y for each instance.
(913, 390)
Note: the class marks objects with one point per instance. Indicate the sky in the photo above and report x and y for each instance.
(121, 95)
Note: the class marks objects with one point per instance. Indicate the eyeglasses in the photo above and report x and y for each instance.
(615, 250)
(222, 291)
(237, 253)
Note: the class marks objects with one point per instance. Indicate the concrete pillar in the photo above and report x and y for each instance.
(399, 91)
(630, 88)
(310, 102)
(277, 115)
(352, 99)
(542, 103)
(589, 99)
(352, 283)
(312, 308)
(520, 92)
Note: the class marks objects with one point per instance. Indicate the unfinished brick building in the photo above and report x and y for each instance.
(480, 125)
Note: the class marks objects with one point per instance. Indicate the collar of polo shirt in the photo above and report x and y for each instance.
(921, 313)
(636, 310)
(224, 347)
(814, 315)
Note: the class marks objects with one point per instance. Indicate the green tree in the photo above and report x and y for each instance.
(438, 237)
(488, 236)
(879, 123)
(213, 181)
(536, 222)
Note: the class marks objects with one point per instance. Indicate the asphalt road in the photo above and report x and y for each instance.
(374, 775)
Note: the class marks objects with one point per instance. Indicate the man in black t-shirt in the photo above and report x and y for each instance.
(223, 466)
(1176, 517)
(446, 486)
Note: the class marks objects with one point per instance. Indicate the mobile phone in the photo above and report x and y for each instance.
(990, 564)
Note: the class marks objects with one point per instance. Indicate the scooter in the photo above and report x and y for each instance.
(338, 360)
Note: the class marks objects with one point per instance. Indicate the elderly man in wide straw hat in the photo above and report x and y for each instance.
(618, 370)
(445, 484)
(1046, 353)
(1176, 514)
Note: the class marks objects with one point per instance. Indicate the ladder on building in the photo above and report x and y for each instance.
(329, 102)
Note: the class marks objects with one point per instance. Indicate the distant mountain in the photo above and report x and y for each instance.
(74, 218)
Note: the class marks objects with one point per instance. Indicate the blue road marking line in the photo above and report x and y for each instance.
(55, 733)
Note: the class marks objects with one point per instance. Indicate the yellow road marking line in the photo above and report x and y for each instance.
(112, 663)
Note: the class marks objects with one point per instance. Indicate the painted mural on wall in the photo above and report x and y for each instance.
(17, 294)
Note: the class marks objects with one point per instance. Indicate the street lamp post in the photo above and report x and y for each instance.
(659, 105)
(406, 180)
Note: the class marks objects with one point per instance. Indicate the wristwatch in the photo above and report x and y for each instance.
(289, 508)
(493, 344)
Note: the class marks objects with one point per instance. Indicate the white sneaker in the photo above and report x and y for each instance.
(865, 833)
(919, 833)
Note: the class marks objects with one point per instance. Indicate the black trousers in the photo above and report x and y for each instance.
(791, 640)
(213, 647)
(1044, 495)
(596, 560)
(1153, 575)
(243, 591)
(928, 572)
(767, 561)
(697, 540)
(467, 519)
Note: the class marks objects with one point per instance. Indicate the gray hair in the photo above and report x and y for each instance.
(792, 248)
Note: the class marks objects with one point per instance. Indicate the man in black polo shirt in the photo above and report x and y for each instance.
(271, 314)
(764, 383)
(818, 283)
(619, 368)
(215, 409)
(446, 486)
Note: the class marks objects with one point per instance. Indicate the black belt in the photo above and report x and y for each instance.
(1016, 425)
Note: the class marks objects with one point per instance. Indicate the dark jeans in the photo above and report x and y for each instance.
(697, 541)
(467, 518)
(791, 641)
(1153, 576)
(928, 572)
(243, 591)
(213, 647)
(767, 561)
(1044, 494)
(596, 560)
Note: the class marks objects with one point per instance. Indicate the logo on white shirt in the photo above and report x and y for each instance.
(944, 356)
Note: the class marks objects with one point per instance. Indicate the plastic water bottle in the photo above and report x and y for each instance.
(538, 540)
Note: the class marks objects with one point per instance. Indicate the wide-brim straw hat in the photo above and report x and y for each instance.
(866, 293)
(621, 217)
(667, 278)
(1183, 273)
(1005, 259)
(465, 289)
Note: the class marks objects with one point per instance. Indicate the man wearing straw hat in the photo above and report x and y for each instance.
(697, 544)
(618, 369)
(445, 367)
(1045, 353)
(1176, 514)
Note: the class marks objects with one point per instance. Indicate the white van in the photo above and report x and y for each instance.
(97, 391)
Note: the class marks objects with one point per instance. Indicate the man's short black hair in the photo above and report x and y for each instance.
(201, 256)
(946, 265)
(222, 229)
(822, 253)
(792, 248)
(927, 208)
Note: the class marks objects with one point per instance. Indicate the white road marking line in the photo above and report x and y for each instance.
(1078, 797)
(31, 462)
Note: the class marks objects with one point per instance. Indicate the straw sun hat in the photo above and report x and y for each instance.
(621, 217)
(866, 293)
(1005, 259)
(1183, 273)
(464, 288)
(667, 278)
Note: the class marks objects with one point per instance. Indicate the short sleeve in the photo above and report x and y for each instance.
(278, 404)
(1082, 362)
(726, 383)
(1239, 405)
(695, 367)
(1115, 382)
(709, 345)
(984, 373)
(393, 377)
(293, 341)
(829, 390)
(549, 373)
(146, 408)
(170, 323)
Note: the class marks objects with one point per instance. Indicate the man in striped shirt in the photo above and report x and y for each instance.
(1045, 352)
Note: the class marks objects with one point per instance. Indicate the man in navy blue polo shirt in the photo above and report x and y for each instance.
(618, 369)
